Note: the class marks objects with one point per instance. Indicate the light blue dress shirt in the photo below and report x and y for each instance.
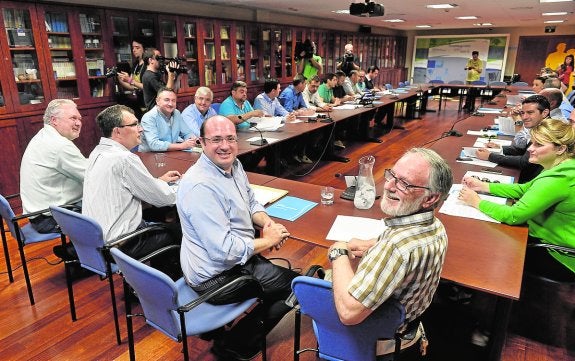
(269, 106)
(160, 131)
(291, 100)
(194, 119)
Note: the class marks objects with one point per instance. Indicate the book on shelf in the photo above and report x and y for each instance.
(224, 33)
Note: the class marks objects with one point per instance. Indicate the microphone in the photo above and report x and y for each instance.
(454, 133)
(262, 140)
(349, 192)
(325, 119)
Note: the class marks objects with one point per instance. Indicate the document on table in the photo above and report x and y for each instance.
(347, 107)
(499, 178)
(290, 208)
(270, 140)
(482, 142)
(266, 195)
(489, 110)
(455, 207)
(465, 157)
(345, 228)
(267, 124)
(483, 133)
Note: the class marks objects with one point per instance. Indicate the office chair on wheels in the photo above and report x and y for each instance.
(174, 308)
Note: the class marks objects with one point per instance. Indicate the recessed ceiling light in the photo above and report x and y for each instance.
(466, 17)
(553, 1)
(422, 26)
(346, 11)
(553, 21)
(441, 6)
(555, 14)
(394, 20)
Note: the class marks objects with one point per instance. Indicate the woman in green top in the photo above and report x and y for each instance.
(547, 203)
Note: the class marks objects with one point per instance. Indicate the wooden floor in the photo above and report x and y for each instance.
(46, 332)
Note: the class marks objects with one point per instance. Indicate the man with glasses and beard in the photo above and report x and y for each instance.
(405, 261)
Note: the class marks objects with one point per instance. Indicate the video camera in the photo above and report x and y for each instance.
(182, 69)
(120, 67)
(304, 50)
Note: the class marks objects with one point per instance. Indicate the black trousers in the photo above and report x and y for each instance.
(538, 261)
(276, 284)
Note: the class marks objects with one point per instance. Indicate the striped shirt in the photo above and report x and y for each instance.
(115, 184)
(404, 264)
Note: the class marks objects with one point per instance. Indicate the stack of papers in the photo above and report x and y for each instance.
(267, 195)
(489, 110)
(481, 142)
(454, 207)
(267, 124)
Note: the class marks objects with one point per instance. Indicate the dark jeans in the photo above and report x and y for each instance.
(44, 224)
(276, 284)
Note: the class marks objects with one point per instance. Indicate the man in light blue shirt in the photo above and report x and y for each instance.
(164, 127)
(195, 114)
(269, 103)
(218, 211)
(237, 108)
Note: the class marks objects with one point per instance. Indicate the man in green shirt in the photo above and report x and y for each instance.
(325, 90)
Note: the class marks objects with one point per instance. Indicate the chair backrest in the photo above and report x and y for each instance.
(388, 86)
(7, 214)
(456, 82)
(86, 236)
(156, 292)
(336, 340)
(401, 84)
(406, 83)
(520, 83)
(498, 83)
(436, 81)
(216, 107)
(478, 82)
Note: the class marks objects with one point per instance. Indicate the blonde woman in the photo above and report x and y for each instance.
(546, 203)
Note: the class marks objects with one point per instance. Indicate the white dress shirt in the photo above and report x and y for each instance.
(52, 171)
(115, 185)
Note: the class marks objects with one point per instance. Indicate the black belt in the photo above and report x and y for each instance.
(218, 280)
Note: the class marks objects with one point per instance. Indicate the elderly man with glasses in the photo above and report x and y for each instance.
(405, 261)
(218, 213)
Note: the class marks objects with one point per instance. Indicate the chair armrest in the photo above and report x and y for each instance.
(208, 295)
(137, 232)
(31, 214)
(12, 196)
(291, 301)
(159, 252)
(553, 247)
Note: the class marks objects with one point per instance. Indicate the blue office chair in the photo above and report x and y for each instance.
(456, 82)
(93, 253)
(436, 81)
(216, 107)
(337, 341)
(478, 82)
(520, 83)
(174, 308)
(24, 235)
(401, 84)
(498, 83)
(407, 83)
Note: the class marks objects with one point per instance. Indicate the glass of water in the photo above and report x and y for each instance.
(327, 195)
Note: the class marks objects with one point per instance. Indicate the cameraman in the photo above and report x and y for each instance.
(133, 82)
(152, 78)
(347, 62)
(309, 64)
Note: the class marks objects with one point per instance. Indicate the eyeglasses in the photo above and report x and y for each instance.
(400, 183)
(129, 125)
(218, 140)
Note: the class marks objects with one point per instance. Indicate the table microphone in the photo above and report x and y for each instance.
(454, 133)
(262, 140)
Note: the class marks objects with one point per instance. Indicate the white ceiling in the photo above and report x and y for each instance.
(501, 13)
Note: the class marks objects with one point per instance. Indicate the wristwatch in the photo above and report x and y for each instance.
(334, 253)
(240, 117)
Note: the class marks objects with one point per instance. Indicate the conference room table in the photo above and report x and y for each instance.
(481, 255)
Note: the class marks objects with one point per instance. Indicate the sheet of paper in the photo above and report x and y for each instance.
(345, 228)
(308, 116)
(489, 110)
(347, 106)
(481, 142)
(454, 207)
(479, 162)
(350, 180)
(505, 179)
(270, 140)
(267, 124)
(472, 151)
(296, 121)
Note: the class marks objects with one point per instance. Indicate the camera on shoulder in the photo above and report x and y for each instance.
(181, 62)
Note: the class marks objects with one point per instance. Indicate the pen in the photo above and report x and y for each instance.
(491, 171)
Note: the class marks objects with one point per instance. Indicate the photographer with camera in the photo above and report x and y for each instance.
(308, 63)
(347, 62)
(132, 81)
(152, 78)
